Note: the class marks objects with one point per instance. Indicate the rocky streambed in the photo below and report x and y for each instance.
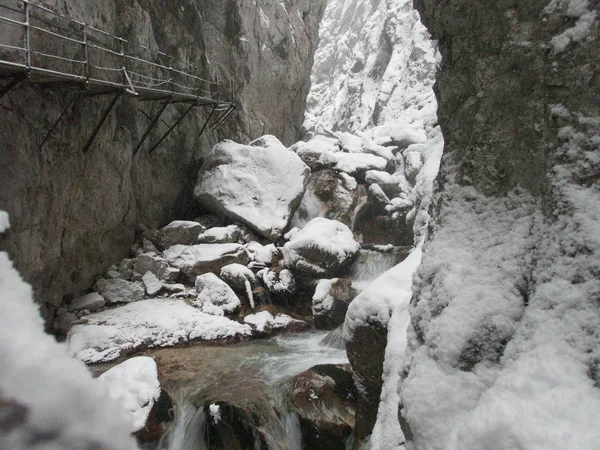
(287, 240)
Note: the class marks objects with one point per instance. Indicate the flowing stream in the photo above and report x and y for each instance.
(248, 376)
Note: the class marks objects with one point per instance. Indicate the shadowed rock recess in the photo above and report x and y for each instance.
(507, 293)
(74, 214)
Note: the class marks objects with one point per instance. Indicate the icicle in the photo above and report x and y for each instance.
(249, 293)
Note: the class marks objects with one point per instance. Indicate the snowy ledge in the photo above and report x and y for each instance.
(150, 323)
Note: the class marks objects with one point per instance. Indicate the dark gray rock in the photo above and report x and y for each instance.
(120, 291)
(92, 301)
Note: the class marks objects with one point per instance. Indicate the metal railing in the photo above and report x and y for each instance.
(42, 46)
(49, 47)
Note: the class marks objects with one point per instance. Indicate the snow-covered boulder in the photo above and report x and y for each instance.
(181, 232)
(268, 140)
(259, 186)
(133, 384)
(214, 296)
(152, 284)
(357, 164)
(152, 323)
(202, 258)
(279, 281)
(330, 302)
(120, 291)
(240, 277)
(263, 254)
(91, 302)
(220, 235)
(322, 247)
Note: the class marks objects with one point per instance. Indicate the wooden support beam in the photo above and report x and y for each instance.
(68, 105)
(171, 128)
(11, 84)
(101, 122)
(149, 129)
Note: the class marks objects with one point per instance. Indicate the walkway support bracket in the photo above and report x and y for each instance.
(171, 128)
(102, 120)
(149, 129)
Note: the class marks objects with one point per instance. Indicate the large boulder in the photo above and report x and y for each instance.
(325, 399)
(202, 258)
(259, 186)
(322, 247)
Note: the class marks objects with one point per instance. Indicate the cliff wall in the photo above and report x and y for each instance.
(74, 214)
(505, 311)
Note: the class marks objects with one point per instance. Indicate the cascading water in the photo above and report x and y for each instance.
(246, 378)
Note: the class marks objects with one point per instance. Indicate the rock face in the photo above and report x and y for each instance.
(524, 176)
(259, 186)
(74, 214)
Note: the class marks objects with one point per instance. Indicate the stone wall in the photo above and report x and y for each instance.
(74, 214)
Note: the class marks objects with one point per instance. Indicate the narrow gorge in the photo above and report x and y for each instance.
(299, 225)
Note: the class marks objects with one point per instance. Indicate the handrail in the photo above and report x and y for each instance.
(80, 52)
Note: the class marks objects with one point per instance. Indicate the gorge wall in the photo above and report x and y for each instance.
(503, 342)
(74, 214)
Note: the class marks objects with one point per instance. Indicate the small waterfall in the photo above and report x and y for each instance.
(362, 201)
(247, 381)
(188, 431)
(310, 208)
(369, 265)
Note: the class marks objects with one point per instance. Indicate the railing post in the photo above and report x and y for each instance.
(86, 67)
(26, 14)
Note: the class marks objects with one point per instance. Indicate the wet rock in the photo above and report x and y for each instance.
(92, 302)
(326, 399)
(220, 235)
(366, 351)
(202, 258)
(381, 228)
(261, 187)
(178, 232)
(214, 296)
(120, 291)
(322, 247)
(209, 221)
(377, 199)
(233, 428)
(330, 302)
(160, 417)
(152, 284)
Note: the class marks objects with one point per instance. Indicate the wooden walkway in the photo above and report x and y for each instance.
(44, 47)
